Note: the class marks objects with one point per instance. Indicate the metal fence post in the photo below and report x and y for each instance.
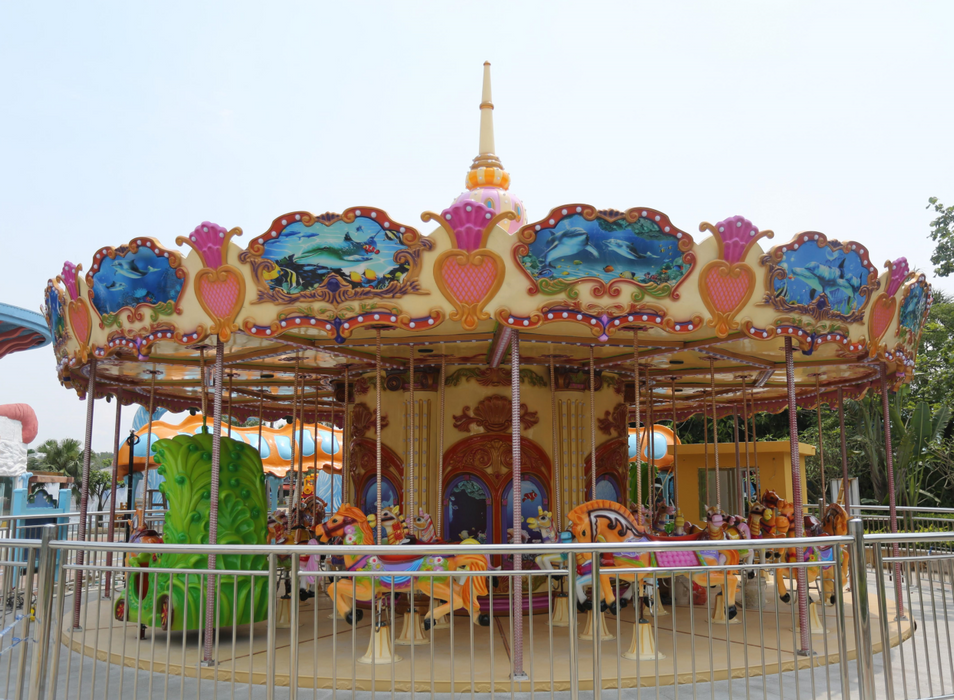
(571, 628)
(43, 614)
(883, 617)
(862, 615)
(25, 629)
(270, 635)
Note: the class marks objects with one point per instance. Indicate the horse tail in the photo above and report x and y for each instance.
(473, 562)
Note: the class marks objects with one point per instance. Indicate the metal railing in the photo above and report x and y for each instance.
(680, 636)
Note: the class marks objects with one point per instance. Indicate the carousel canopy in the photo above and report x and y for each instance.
(708, 306)
(21, 330)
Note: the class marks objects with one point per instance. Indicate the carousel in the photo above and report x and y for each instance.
(490, 373)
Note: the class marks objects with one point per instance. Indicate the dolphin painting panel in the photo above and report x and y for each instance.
(576, 248)
(136, 278)
(833, 279)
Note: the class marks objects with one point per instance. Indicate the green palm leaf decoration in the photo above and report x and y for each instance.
(186, 463)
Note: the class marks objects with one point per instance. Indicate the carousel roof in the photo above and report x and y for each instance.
(22, 330)
(709, 311)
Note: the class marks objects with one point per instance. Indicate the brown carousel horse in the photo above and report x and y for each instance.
(144, 535)
(834, 522)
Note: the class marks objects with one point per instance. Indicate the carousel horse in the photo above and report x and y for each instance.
(351, 524)
(834, 522)
(732, 527)
(606, 521)
(682, 527)
(144, 535)
(392, 524)
(661, 517)
(761, 521)
(543, 524)
(422, 529)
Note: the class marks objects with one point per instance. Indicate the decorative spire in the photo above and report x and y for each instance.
(487, 170)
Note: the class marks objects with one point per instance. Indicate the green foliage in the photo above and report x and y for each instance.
(914, 436)
(942, 233)
(186, 463)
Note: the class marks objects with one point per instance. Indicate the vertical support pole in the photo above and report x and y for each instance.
(639, 437)
(844, 451)
(859, 602)
(675, 442)
(346, 446)
(412, 415)
(518, 672)
(745, 431)
(146, 499)
(738, 460)
(214, 498)
(111, 525)
(555, 444)
(440, 451)
(378, 388)
(84, 493)
(715, 438)
(892, 504)
(592, 426)
(317, 442)
(801, 574)
(334, 450)
(821, 448)
(44, 614)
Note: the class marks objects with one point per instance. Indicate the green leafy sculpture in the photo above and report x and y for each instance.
(177, 601)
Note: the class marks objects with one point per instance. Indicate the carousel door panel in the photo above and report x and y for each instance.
(467, 509)
(534, 496)
(608, 488)
(389, 495)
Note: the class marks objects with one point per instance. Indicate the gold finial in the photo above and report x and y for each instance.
(487, 170)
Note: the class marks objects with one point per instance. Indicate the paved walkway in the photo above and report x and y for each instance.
(921, 667)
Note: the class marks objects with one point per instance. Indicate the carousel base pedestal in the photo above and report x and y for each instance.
(561, 611)
(719, 613)
(815, 623)
(643, 646)
(283, 621)
(587, 633)
(441, 623)
(681, 591)
(412, 631)
(753, 591)
(379, 648)
(659, 610)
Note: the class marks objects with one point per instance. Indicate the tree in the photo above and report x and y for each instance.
(99, 483)
(63, 456)
(942, 233)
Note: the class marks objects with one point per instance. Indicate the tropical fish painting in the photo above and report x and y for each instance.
(136, 278)
(913, 309)
(639, 251)
(361, 254)
(54, 314)
(827, 278)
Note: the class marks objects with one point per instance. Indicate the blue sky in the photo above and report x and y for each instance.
(123, 119)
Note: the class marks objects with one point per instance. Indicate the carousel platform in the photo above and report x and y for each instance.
(328, 651)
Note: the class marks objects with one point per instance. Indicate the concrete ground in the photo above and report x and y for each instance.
(922, 667)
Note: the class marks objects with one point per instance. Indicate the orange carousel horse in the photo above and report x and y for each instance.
(607, 521)
(350, 524)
